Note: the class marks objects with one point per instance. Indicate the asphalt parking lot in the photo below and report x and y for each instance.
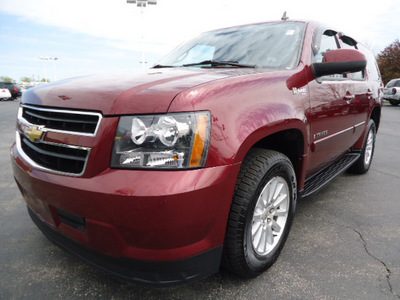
(344, 243)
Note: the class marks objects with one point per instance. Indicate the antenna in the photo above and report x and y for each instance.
(284, 17)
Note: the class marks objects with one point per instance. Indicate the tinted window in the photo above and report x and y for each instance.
(393, 83)
(349, 43)
(270, 45)
(372, 66)
(328, 42)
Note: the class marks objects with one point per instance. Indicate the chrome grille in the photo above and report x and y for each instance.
(55, 157)
(62, 120)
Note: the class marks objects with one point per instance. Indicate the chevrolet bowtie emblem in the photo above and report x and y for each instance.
(34, 133)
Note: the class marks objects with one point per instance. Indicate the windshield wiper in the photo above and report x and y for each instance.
(214, 63)
(162, 66)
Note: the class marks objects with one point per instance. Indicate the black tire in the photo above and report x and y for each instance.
(362, 165)
(394, 102)
(260, 170)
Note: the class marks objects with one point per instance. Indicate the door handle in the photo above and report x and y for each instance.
(349, 97)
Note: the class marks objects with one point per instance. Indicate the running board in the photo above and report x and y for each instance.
(319, 180)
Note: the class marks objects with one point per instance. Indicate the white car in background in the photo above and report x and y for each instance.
(5, 94)
(392, 92)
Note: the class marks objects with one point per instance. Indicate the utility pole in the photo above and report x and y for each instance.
(45, 59)
(142, 4)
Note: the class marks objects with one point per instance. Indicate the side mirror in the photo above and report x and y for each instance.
(340, 61)
(335, 62)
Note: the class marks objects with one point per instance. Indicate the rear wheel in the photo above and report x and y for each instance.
(394, 102)
(363, 164)
(261, 214)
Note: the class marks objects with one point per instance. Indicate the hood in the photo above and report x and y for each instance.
(137, 93)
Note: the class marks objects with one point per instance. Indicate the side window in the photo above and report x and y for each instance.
(393, 83)
(349, 43)
(328, 42)
(372, 66)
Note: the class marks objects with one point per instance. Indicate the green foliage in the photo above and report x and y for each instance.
(26, 79)
(23, 79)
(389, 62)
(6, 79)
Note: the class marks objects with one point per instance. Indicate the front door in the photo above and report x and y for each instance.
(331, 114)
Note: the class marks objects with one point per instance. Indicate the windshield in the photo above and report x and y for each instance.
(269, 45)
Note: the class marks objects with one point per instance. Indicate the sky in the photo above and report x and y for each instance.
(110, 36)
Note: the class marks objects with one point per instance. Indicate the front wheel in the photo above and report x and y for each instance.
(394, 102)
(261, 214)
(363, 164)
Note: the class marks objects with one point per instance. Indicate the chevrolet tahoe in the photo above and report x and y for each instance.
(163, 176)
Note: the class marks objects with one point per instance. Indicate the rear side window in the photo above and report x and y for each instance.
(349, 43)
(393, 83)
(6, 85)
(372, 66)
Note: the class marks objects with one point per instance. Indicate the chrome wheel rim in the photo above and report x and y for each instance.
(270, 216)
(369, 148)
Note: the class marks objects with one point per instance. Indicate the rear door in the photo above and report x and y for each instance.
(364, 93)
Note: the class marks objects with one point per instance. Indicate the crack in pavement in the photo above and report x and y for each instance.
(387, 173)
(388, 272)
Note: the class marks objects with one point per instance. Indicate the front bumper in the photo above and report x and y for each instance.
(152, 273)
(150, 227)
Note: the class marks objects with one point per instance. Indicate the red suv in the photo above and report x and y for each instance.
(158, 177)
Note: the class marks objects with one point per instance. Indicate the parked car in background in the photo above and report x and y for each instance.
(159, 176)
(4, 94)
(14, 89)
(392, 92)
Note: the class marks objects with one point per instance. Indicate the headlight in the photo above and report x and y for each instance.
(178, 140)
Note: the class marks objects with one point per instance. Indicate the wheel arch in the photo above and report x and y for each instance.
(376, 116)
(290, 141)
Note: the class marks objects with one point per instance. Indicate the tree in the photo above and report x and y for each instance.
(389, 62)
(26, 79)
(6, 79)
